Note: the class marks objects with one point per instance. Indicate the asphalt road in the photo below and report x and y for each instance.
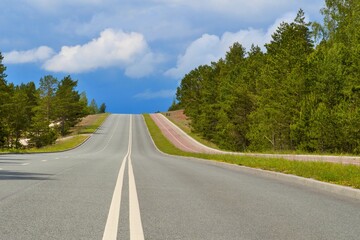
(78, 195)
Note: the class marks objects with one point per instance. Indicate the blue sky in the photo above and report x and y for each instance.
(132, 54)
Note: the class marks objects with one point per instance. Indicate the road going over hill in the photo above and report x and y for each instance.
(118, 186)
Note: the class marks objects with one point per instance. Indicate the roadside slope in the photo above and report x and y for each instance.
(186, 143)
(77, 136)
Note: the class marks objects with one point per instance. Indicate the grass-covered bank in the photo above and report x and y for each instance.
(347, 175)
(62, 145)
(181, 120)
(78, 135)
(91, 125)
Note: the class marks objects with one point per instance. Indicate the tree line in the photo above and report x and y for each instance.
(40, 114)
(302, 93)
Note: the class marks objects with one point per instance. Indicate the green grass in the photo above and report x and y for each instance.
(76, 138)
(62, 145)
(160, 140)
(83, 134)
(183, 126)
(192, 134)
(347, 175)
(92, 127)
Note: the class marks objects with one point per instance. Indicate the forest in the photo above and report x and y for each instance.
(301, 93)
(40, 114)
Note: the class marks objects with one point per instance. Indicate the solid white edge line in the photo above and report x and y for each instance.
(112, 222)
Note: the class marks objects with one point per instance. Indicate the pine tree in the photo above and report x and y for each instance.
(231, 98)
(93, 107)
(291, 97)
(283, 84)
(84, 102)
(69, 109)
(190, 96)
(102, 108)
(48, 85)
(4, 98)
(22, 102)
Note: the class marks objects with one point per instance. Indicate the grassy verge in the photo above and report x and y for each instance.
(185, 127)
(91, 128)
(79, 134)
(187, 130)
(347, 175)
(62, 145)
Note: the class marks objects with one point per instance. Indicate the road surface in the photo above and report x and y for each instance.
(118, 186)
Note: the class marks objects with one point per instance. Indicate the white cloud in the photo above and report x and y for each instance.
(148, 94)
(111, 49)
(34, 55)
(209, 48)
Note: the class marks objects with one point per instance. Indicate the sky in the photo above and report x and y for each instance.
(132, 54)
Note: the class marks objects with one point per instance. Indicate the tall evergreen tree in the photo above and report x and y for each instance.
(189, 93)
(84, 101)
(41, 134)
(69, 109)
(48, 87)
(93, 107)
(4, 98)
(291, 97)
(102, 108)
(208, 118)
(338, 79)
(283, 84)
(22, 102)
(232, 93)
